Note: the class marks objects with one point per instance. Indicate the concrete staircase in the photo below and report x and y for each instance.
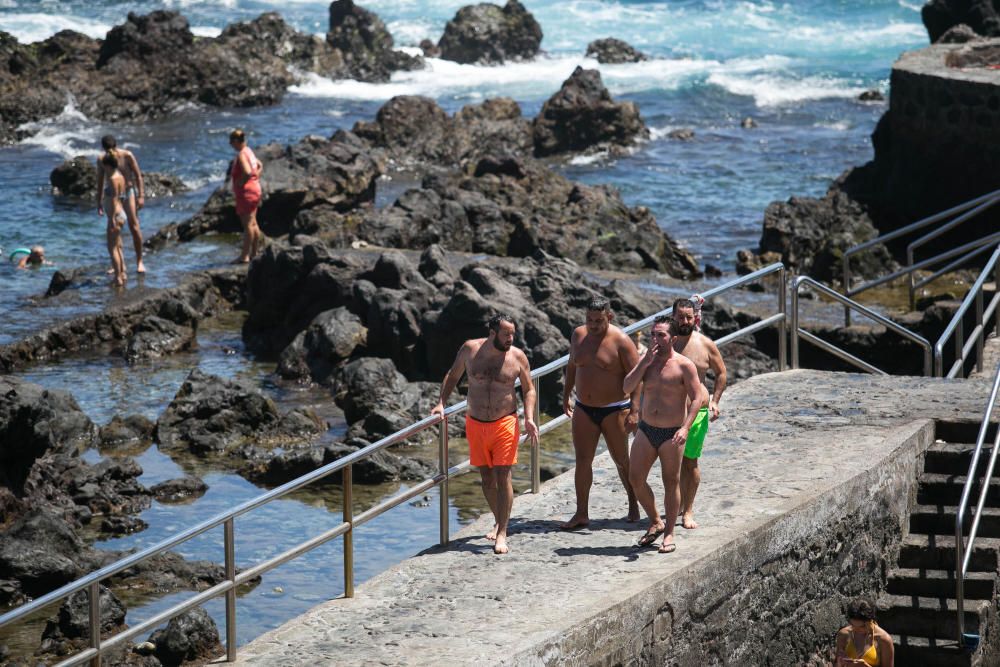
(919, 607)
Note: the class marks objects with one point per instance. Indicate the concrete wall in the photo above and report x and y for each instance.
(773, 596)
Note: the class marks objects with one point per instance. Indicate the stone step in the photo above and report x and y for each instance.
(937, 552)
(937, 489)
(940, 520)
(948, 458)
(939, 583)
(929, 617)
(929, 652)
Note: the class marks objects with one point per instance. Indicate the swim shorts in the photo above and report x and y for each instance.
(696, 435)
(492, 443)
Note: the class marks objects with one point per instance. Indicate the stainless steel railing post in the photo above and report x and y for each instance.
(443, 515)
(783, 325)
(348, 515)
(847, 292)
(95, 622)
(536, 471)
(229, 541)
(959, 345)
(996, 291)
(981, 338)
(909, 279)
(794, 333)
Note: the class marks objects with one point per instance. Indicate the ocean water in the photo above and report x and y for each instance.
(796, 67)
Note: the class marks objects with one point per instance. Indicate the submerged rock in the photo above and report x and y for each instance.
(156, 337)
(490, 34)
(210, 415)
(582, 115)
(125, 432)
(611, 51)
(183, 489)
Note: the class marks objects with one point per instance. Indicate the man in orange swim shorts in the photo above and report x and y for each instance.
(493, 364)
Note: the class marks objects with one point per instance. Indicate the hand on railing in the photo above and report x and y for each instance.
(438, 410)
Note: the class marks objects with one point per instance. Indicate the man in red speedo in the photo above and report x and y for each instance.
(491, 424)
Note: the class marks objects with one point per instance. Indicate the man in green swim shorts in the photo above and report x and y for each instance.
(700, 349)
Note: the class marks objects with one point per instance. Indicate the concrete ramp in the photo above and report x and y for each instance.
(807, 481)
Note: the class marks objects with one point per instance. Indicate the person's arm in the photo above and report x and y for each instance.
(23, 262)
(694, 392)
(100, 190)
(629, 357)
(452, 377)
(634, 377)
(570, 376)
(528, 395)
(886, 650)
(245, 167)
(718, 367)
(140, 195)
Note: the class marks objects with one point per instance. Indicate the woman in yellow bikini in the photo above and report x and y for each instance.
(863, 643)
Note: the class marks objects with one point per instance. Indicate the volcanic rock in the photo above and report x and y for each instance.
(77, 178)
(582, 115)
(982, 16)
(124, 432)
(183, 489)
(156, 337)
(489, 34)
(331, 337)
(381, 467)
(611, 51)
(365, 44)
(191, 638)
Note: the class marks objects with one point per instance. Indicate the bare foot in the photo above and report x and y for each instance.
(668, 547)
(688, 521)
(633, 514)
(501, 547)
(492, 535)
(140, 267)
(578, 521)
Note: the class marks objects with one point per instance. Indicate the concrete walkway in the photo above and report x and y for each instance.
(784, 439)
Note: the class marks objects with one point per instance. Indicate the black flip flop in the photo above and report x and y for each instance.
(648, 539)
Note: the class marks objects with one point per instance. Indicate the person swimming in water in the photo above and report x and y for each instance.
(110, 200)
(27, 258)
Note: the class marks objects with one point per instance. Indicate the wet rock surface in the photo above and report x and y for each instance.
(613, 51)
(151, 64)
(210, 415)
(191, 638)
(156, 337)
(198, 296)
(490, 34)
(69, 631)
(582, 115)
(183, 489)
(124, 433)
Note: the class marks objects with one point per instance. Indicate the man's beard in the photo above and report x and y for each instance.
(684, 329)
(503, 347)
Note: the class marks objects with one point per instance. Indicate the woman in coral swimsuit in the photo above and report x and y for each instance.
(245, 173)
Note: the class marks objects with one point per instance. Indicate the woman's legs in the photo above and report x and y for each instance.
(251, 236)
(115, 247)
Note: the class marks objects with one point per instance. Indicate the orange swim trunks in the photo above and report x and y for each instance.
(493, 443)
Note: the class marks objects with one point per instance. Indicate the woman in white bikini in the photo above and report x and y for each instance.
(110, 201)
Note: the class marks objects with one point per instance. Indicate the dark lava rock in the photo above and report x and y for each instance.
(377, 400)
(582, 115)
(184, 489)
(683, 134)
(811, 235)
(381, 467)
(209, 415)
(199, 295)
(435, 268)
(73, 620)
(748, 123)
(108, 487)
(330, 338)
(77, 178)
(339, 173)
(365, 44)
(156, 337)
(871, 96)
(487, 33)
(191, 638)
(123, 525)
(125, 432)
(429, 48)
(982, 16)
(611, 51)
(959, 34)
(35, 422)
(41, 552)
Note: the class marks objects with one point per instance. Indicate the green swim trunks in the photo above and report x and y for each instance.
(696, 435)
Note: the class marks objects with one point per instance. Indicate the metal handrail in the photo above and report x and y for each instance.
(797, 332)
(977, 336)
(977, 206)
(964, 552)
(91, 582)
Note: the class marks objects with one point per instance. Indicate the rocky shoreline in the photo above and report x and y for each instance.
(368, 303)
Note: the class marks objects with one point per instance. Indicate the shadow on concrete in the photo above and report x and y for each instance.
(629, 552)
